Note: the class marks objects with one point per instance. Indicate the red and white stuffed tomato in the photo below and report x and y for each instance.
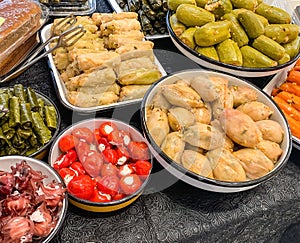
(101, 160)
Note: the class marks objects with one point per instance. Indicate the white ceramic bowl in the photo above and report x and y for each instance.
(200, 181)
(88, 205)
(5, 165)
(231, 69)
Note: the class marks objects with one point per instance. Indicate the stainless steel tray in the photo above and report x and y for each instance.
(278, 79)
(115, 6)
(62, 91)
(76, 7)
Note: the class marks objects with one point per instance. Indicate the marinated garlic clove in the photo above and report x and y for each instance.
(180, 118)
(271, 130)
(203, 136)
(173, 146)
(256, 110)
(226, 167)
(254, 161)
(271, 149)
(240, 128)
(157, 124)
(182, 95)
(242, 94)
(196, 162)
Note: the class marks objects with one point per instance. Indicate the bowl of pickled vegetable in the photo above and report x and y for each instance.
(105, 163)
(33, 200)
(29, 122)
(244, 38)
(215, 131)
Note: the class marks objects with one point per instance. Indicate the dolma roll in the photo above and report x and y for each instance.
(10, 150)
(50, 117)
(30, 151)
(133, 5)
(33, 141)
(26, 120)
(41, 130)
(8, 131)
(18, 142)
(14, 112)
(42, 105)
(145, 21)
(24, 133)
(147, 10)
(4, 104)
(155, 4)
(20, 92)
(32, 99)
(121, 3)
(3, 139)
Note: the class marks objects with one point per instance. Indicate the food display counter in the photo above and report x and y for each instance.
(170, 210)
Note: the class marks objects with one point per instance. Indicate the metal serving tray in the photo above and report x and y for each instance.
(62, 91)
(65, 8)
(115, 6)
(275, 82)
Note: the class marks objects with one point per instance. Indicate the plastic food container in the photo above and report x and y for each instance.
(159, 16)
(22, 44)
(64, 8)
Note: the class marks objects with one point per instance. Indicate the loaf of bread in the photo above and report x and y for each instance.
(20, 20)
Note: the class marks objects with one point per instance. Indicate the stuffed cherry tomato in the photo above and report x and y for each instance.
(130, 183)
(77, 167)
(98, 196)
(67, 174)
(110, 155)
(81, 149)
(119, 137)
(108, 169)
(106, 128)
(123, 155)
(108, 184)
(81, 186)
(126, 170)
(92, 163)
(138, 150)
(84, 133)
(142, 168)
(65, 160)
(67, 142)
(103, 144)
